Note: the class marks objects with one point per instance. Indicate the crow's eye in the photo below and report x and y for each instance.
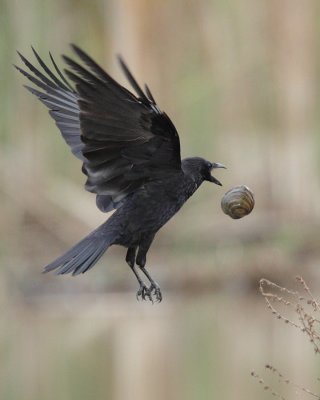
(209, 165)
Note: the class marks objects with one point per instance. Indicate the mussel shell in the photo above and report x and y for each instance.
(238, 202)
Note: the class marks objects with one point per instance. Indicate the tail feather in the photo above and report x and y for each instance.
(83, 255)
(91, 261)
(76, 261)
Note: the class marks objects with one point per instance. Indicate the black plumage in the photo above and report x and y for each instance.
(130, 152)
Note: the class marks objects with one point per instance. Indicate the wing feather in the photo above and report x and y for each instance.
(123, 140)
(60, 98)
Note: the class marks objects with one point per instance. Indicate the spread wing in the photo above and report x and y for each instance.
(123, 140)
(127, 139)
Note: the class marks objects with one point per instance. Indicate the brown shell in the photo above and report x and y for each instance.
(238, 202)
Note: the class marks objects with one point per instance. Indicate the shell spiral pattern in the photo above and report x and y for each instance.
(238, 202)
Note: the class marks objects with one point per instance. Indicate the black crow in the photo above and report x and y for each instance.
(130, 153)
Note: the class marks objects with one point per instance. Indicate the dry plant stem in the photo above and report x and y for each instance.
(266, 387)
(315, 303)
(307, 322)
(272, 297)
(287, 381)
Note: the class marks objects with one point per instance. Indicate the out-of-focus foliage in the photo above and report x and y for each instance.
(240, 81)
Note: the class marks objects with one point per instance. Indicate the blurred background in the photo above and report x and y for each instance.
(240, 80)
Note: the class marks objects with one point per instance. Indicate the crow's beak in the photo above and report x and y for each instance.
(212, 178)
(218, 165)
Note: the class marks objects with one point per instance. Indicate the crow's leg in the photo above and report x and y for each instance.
(141, 262)
(143, 291)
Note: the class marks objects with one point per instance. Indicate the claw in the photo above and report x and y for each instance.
(153, 293)
(144, 293)
(155, 290)
(141, 292)
(158, 295)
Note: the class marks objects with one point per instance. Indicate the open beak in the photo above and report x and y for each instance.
(218, 165)
(212, 178)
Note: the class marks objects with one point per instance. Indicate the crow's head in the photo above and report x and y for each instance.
(201, 169)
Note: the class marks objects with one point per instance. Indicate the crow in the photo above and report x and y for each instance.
(130, 153)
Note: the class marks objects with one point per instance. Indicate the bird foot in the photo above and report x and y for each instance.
(155, 291)
(144, 293)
